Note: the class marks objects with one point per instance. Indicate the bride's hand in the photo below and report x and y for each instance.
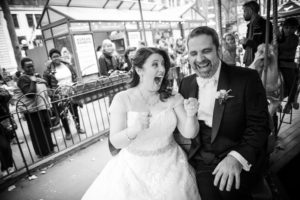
(191, 106)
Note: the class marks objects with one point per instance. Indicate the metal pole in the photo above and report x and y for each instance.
(267, 43)
(141, 13)
(219, 12)
(275, 27)
(236, 16)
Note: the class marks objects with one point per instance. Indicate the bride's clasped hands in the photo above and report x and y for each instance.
(191, 106)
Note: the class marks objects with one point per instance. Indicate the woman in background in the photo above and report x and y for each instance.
(128, 55)
(229, 49)
(108, 61)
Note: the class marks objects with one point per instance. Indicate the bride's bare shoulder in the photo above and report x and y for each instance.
(125, 96)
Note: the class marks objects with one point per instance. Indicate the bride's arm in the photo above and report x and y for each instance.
(187, 122)
(120, 135)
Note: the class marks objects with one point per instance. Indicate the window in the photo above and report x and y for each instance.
(15, 19)
(30, 20)
(37, 18)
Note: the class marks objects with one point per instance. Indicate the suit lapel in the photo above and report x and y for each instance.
(193, 92)
(223, 84)
(193, 89)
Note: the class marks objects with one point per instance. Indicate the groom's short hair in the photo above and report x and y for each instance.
(204, 30)
(253, 5)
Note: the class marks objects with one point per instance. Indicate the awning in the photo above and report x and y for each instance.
(107, 4)
(110, 10)
(100, 14)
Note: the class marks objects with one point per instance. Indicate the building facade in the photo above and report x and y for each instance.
(25, 18)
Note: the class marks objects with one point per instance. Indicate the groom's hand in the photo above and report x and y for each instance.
(227, 172)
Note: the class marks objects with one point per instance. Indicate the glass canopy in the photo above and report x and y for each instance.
(111, 10)
(110, 4)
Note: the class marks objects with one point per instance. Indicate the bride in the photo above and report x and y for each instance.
(150, 165)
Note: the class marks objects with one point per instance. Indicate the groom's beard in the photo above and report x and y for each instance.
(201, 66)
(206, 68)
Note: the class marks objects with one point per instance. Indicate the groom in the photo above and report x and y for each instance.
(229, 152)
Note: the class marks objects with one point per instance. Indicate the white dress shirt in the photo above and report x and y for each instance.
(206, 98)
(63, 75)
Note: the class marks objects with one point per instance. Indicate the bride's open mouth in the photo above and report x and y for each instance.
(158, 79)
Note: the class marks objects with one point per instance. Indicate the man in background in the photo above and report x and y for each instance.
(256, 31)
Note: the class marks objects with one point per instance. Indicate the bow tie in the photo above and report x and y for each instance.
(206, 82)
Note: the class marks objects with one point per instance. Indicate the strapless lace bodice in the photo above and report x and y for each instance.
(158, 136)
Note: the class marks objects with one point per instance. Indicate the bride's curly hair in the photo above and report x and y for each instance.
(138, 61)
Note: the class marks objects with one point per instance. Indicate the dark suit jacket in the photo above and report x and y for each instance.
(255, 38)
(241, 123)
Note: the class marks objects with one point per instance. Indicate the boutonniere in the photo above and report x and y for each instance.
(223, 95)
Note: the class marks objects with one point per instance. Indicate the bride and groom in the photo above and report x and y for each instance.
(228, 132)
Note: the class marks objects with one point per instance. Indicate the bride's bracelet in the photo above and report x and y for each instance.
(129, 138)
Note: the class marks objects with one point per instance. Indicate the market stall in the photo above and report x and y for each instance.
(79, 27)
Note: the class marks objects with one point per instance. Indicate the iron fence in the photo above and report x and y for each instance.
(81, 110)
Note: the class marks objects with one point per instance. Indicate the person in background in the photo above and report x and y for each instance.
(108, 61)
(141, 44)
(256, 31)
(99, 51)
(6, 157)
(128, 56)
(173, 74)
(1, 79)
(229, 49)
(239, 49)
(5, 75)
(17, 93)
(287, 45)
(36, 108)
(66, 55)
(60, 73)
(180, 47)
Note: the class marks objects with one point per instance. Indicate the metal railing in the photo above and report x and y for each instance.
(43, 130)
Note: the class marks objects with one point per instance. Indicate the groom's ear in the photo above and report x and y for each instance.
(219, 52)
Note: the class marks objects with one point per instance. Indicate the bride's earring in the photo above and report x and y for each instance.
(141, 78)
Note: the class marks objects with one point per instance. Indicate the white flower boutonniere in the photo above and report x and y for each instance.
(223, 95)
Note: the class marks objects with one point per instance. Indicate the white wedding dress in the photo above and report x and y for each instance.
(152, 167)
